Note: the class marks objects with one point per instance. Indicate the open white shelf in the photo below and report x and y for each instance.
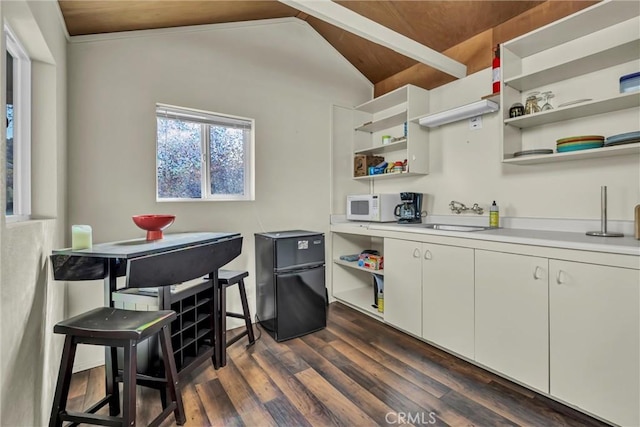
(361, 299)
(615, 103)
(386, 123)
(596, 44)
(378, 149)
(386, 115)
(616, 150)
(385, 101)
(580, 24)
(387, 175)
(355, 266)
(586, 64)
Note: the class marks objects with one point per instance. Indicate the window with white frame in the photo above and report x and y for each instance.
(18, 131)
(202, 155)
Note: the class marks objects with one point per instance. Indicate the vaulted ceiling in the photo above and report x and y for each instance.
(463, 30)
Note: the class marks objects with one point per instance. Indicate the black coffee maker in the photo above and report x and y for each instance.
(410, 210)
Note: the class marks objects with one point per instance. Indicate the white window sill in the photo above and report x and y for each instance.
(20, 220)
(205, 200)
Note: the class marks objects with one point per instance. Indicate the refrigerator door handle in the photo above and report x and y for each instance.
(297, 268)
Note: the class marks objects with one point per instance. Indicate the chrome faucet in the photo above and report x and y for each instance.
(458, 208)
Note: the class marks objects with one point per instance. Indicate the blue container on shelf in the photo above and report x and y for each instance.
(630, 82)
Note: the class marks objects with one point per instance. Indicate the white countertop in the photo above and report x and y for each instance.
(626, 245)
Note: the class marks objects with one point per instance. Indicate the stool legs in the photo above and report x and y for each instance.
(172, 376)
(129, 375)
(64, 380)
(223, 320)
(245, 310)
(215, 321)
(223, 325)
(111, 385)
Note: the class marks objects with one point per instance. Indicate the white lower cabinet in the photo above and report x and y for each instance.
(595, 339)
(568, 329)
(511, 316)
(429, 292)
(403, 285)
(447, 297)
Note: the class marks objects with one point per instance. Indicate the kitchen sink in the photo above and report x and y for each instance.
(451, 227)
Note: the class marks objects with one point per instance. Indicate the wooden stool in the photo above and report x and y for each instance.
(112, 327)
(228, 278)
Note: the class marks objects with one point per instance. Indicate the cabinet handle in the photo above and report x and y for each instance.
(416, 253)
(427, 254)
(537, 273)
(559, 279)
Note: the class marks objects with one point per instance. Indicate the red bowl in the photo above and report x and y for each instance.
(153, 224)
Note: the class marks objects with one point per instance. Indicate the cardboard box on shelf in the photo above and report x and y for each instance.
(362, 162)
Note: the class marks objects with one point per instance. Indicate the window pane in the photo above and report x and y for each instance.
(10, 128)
(179, 154)
(227, 160)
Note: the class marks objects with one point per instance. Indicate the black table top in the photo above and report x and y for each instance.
(134, 248)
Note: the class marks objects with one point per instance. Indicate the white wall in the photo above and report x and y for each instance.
(30, 301)
(464, 165)
(280, 72)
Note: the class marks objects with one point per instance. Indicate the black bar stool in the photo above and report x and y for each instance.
(112, 327)
(228, 278)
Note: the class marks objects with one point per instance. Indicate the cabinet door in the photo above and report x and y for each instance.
(403, 285)
(447, 297)
(595, 339)
(512, 324)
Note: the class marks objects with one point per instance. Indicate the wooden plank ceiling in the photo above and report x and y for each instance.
(464, 30)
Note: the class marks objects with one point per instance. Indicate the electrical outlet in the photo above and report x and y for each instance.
(475, 123)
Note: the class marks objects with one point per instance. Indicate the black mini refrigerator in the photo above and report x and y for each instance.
(291, 297)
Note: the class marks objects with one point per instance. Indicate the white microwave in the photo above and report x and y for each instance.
(372, 207)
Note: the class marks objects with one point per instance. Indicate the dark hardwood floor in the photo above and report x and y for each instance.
(356, 372)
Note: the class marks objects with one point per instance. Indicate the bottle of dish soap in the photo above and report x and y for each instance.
(494, 215)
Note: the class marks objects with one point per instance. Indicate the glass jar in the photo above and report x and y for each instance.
(531, 105)
(516, 110)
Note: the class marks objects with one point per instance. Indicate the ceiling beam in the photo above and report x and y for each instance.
(352, 22)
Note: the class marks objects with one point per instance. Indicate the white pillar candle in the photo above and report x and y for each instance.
(81, 237)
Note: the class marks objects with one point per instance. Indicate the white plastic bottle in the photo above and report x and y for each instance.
(494, 215)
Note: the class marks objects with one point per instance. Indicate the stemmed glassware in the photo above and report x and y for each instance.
(546, 96)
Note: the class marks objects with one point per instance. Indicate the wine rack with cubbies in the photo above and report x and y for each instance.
(191, 332)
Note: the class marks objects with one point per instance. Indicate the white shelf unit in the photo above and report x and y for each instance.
(360, 299)
(353, 285)
(354, 264)
(388, 115)
(387, 175)
(386, 148)
(616, 150)
(586, 109)
(596, 61)
(385, 123)
(580, 56)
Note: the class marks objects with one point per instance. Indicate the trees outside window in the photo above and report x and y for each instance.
(203, 155)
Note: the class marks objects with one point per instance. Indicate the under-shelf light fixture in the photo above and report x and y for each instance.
(474, 109)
